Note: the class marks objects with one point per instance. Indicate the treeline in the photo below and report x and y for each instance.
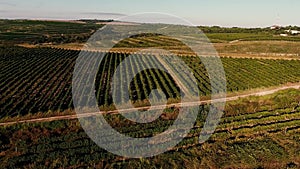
(94, 21)
(218, 29)
(62, 38)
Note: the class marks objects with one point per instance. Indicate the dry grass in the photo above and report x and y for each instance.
(237, 49)
(263, 49)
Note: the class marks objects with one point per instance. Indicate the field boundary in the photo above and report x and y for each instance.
(158, 107)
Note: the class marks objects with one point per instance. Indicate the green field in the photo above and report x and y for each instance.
(255, 132)
(63, 32)
(37, 32)
(219, 34)
(225, 37)
(36, 82)
(39, 80)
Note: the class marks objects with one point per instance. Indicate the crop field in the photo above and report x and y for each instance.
(254, 132)
(39, 127)
(260, 48)
(39, 79)
(53, 33)
(37, 32)
(225, 37)
(219, 34)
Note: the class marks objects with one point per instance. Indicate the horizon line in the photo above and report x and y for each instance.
(114, 20)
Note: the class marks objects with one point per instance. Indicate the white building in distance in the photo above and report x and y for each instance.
(293, 32)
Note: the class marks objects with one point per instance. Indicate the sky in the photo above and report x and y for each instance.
(229, 13)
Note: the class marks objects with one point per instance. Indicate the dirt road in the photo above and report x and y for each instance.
(68, 117)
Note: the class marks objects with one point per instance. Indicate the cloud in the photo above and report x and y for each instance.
(34, 14)
(7, 4)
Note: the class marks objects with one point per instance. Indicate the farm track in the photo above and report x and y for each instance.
(182, 52)
(232, 98)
